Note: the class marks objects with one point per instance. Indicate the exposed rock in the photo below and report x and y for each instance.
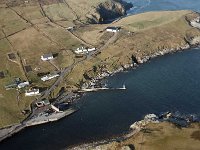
(125, 148)
(150, 118)
(108, 10)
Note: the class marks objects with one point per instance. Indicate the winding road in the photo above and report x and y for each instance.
(16, 128)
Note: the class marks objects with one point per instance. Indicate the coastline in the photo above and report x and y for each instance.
(17, 128)
(139, 126)
(11, 130)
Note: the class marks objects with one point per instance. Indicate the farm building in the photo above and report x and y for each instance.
(113, 29)
(23, 84)
(46, 57)
(83, 50)
(49, 77)
(32, 92)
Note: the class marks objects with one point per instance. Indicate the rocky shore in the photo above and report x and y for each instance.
(195, 41)
(138, 60)
(108, 10)
(177, 119)
(150, 118)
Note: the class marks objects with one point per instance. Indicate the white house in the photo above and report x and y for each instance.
(113, 29)
(32, 92)
(83, 50)
(49, 77)
(23, 84)
(91, 49)
(46, 57)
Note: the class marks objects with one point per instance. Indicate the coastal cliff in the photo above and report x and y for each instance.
(108, 10)
(142, 37)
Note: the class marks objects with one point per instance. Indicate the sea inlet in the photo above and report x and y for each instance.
(167, 83)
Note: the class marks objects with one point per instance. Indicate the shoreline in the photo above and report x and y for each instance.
(136, 127)
(11, 130)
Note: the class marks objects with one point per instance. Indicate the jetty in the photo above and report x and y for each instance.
(35, 120)
(93, 89)
(45, 118)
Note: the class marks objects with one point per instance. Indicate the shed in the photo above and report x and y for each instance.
(32, 92)
(23, 84)
(46, 57)
(113, 29)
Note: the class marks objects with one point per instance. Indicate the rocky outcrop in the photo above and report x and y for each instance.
(194, 40)
(108, 10)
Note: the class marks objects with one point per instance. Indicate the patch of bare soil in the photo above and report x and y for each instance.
(196, 135)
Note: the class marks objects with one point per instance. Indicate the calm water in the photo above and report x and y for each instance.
(171, 82)
(157, 5)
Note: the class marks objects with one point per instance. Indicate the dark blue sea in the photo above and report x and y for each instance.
(167, 83)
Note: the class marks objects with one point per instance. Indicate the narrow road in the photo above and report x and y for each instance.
(68, 69)
(110, 41)
(60, 79)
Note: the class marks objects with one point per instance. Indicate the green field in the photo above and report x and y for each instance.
(30, 42)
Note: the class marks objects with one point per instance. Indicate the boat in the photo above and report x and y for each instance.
(122, 88)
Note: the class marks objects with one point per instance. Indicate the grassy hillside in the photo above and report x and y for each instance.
(32, 29)
(27, 32)
(170, 33)
(149, 20)
(163, 136)
(29, 29)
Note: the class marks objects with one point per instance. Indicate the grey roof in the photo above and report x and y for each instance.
(47, 55)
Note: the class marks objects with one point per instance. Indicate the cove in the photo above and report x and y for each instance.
(167, 83)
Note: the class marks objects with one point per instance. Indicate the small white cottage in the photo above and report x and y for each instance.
(49, 77)
(46, 57)
(32, 92)
(113, 29)
(23, 84)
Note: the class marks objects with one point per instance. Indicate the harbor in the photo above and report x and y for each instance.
(35, 120)
(95, 89)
